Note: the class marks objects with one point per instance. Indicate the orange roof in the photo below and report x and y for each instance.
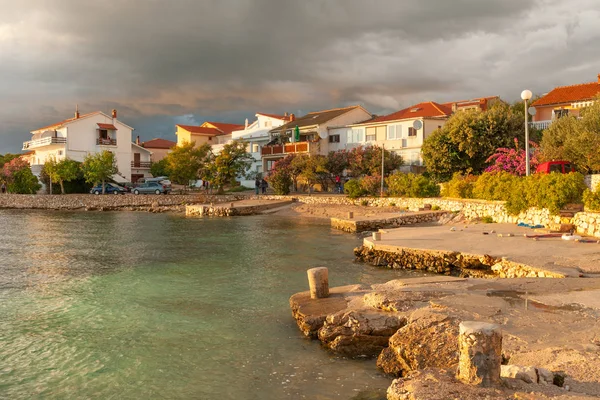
(66, 121)
(226, 129)
(201, 130)
(570, 94)
(281, 117)
(429, 109)
(107, 126)
(158, 143)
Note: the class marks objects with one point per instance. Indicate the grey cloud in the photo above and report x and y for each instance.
(226, 59)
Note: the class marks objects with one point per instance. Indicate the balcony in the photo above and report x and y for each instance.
(541, 124)
(33, 144)
(106, 142)
(141, 164)
(283, 149)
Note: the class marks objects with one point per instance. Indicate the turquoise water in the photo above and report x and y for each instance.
(144, 306)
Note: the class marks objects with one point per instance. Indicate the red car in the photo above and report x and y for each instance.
(563, 167)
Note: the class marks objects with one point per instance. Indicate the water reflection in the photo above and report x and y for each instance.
(136, 305)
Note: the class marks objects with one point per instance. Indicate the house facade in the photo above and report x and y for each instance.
(208, 132)
(402, 132)
(563, 101)
(141, 161)
(309, 134)
(84, 134)
(158, 146)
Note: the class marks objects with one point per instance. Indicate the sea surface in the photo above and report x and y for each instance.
(124, 305)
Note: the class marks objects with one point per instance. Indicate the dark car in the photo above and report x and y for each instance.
(151, 187)
(109, 188)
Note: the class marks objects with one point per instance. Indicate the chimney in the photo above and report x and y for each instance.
(137, 138)
(76, 111)
(114, 113)
(285, 115)
(598, 78)
(246, 124)
(454, 107)
(292, 117)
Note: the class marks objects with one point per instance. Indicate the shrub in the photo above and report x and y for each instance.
(353, 189)
(591, 200)
(411, 185)
(371, 185)
(555, 191)
(280, 180)
(460, 186)
(494, 186)
(435, 208)
(364, 203)
(487, 220)
(236, 189)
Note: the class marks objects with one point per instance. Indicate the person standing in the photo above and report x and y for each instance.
(3, 187)
(257, 184)
(338, 184)
(264, 185)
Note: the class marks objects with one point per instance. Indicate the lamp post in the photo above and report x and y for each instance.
(382, 165)
(526, 95)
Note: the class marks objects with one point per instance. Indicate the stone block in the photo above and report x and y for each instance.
(525, 374)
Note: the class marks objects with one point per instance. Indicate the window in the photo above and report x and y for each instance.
(356, 135)
(334, 138)
(556, 168)
(268, 124)
(394, 132)
(255, 148)
(103, 134)
(412, 132)
(561, 113)
(60, 152)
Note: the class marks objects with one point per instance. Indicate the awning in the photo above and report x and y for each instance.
(108, 127)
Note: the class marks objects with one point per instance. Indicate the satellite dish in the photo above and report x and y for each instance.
(323, 135)
(417, 124)
(532, 111)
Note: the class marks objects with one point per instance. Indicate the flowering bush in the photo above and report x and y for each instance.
(513, 161)
(19, 177)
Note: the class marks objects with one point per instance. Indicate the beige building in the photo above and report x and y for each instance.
(205, 133)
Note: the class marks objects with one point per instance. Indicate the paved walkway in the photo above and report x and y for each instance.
(548, 253)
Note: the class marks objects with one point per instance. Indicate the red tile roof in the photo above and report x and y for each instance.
(570, 94)
(225, 128)
(422, 110)
(158, 143)
(107, 126)
(66, 121)
(281, 117)
(201, 130)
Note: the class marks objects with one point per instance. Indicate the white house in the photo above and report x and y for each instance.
(141, 161)
(76, 137)
(313, 131)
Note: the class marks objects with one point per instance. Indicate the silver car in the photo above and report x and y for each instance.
(151, 187)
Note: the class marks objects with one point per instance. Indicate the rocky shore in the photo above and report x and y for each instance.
(550, 348)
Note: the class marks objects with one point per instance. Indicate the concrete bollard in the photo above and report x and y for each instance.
(480, 346)
(376, 236)
(318, 281)
(231, 205)
(350, 215)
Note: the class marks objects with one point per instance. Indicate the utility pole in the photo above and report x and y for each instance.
(382, 165)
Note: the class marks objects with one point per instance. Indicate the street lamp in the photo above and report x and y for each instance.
(526, 95)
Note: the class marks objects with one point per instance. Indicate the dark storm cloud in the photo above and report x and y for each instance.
(227, 59)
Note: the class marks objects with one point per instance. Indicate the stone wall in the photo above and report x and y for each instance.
(592, 181)
(107, 202)
(350, 225)
(229, 209)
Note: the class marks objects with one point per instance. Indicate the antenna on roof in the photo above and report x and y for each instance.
(76, 111)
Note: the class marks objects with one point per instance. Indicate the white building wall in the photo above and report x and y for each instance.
(351, 117)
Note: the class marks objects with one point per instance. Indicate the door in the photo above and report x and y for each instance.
(136, 159)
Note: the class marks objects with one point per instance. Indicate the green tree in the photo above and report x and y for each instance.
(160, 168)
(575, 140)
(186, 162)
(231, 162)
(367, 161)
(61, 171)
(99, 167)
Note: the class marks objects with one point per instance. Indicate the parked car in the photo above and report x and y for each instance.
(163, 180)
(151, 187)
(109, 188)
(563, 167)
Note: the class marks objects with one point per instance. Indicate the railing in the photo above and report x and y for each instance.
(43, 142)
(541, 124)
(288, 148)
(106, 142)
(141, 164)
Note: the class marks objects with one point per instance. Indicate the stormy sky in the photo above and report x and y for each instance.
(162, 62)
